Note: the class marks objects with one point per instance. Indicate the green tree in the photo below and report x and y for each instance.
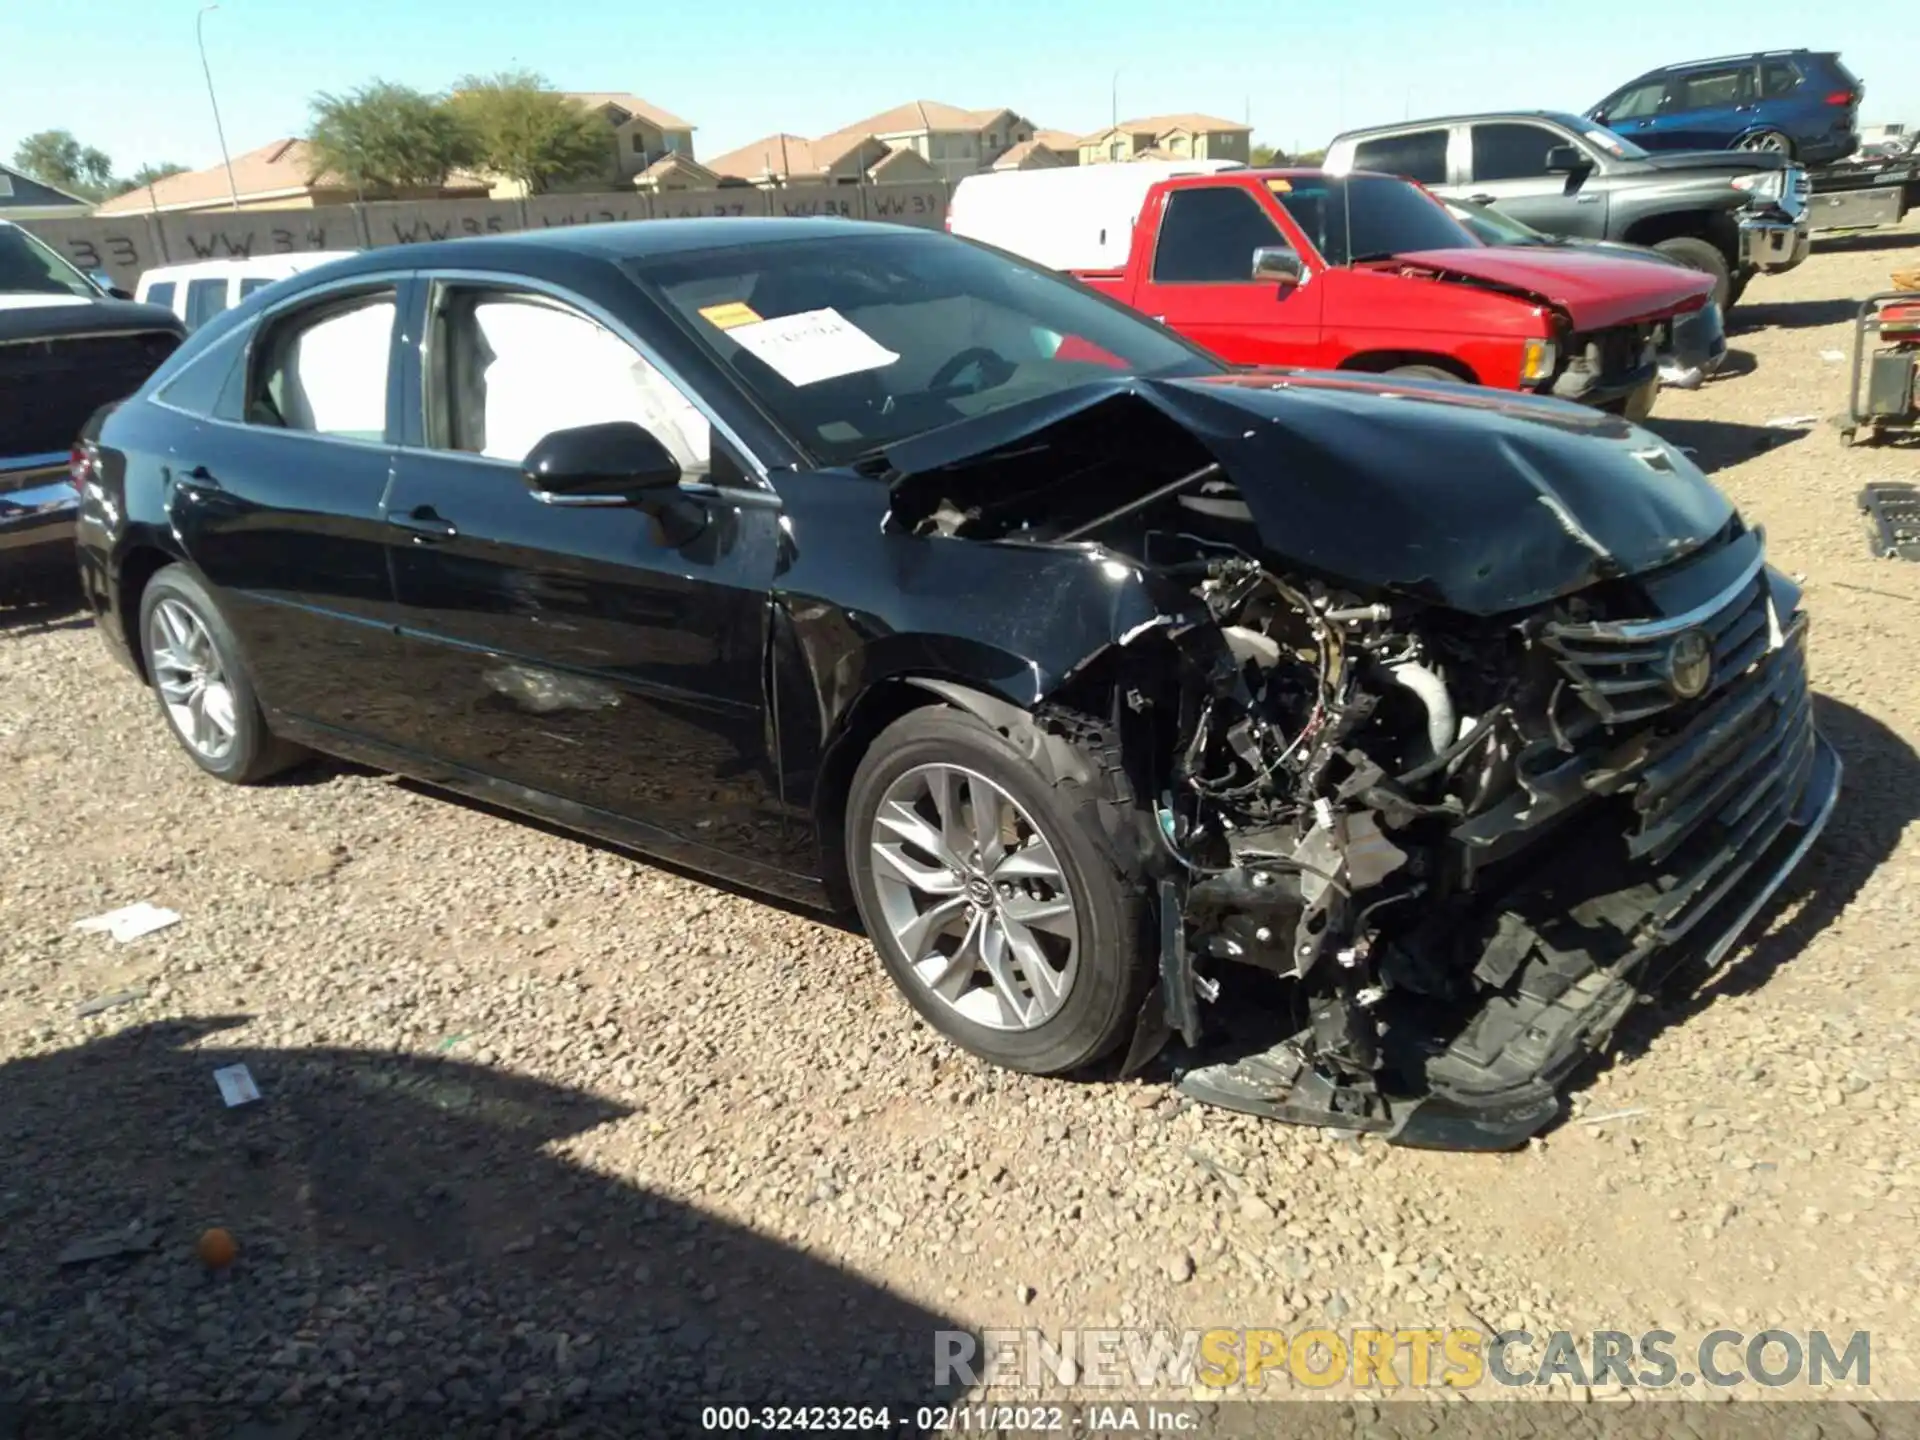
(54, 157)
(1269, 155)
(523, 130)
(385, 137)
(1311, 157)
(147, 175)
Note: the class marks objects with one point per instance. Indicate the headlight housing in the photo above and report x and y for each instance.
(1538, 360)
(1766, 182)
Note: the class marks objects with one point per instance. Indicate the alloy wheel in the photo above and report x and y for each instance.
(191, 680)
(1767, 142)
(974, 895)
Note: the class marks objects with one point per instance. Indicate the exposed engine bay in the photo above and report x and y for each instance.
(1455, 836)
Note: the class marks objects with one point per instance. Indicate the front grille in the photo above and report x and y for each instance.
(1719, 794)
(1624, 672)
(51, 386)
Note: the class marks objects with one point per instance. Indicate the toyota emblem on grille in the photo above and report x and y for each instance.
(1690, 665)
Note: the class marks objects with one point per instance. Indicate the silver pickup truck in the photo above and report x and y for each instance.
(68, 345)
(1731, 213)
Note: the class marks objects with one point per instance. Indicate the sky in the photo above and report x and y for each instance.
(124, 75)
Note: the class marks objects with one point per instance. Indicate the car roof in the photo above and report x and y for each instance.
(619, 240)
(1745, 55)
(1564, 117)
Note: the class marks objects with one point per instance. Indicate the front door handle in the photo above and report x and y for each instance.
(198, 478)
(424, 524)
(1483, 199)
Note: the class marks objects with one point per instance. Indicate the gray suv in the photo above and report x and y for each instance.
(1732, 214)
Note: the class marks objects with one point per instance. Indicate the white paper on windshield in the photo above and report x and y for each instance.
(812, 346)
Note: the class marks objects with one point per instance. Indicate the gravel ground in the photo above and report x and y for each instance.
(543, 1125)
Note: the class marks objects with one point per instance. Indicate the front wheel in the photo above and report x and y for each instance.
(996, 895)
(1426, 372)
(194, 665)
(1706, 257)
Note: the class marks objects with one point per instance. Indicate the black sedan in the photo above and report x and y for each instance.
(890, 573)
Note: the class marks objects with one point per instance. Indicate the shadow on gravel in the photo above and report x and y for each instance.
(412, 1254)
(53, 606)
(1722, 444)
(1735, 364)
(1868, 240)
(1879, 799)
(1791, 315)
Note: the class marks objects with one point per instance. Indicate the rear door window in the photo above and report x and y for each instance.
(1208, 236)
(324, 369)
(1711, 89)
(205, 299)
(253, 283)
(1418, 155)
(1512, 151)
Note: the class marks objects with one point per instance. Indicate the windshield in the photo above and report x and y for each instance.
(1492, 227)
(1368, 217)
(856, 342)
(28, 267)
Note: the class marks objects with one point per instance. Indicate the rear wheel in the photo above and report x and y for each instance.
(1704, 256)
(1426, 372)
(995, 894)
(1768, 142)
(194, 664)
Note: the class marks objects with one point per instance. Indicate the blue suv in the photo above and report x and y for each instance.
(1800, 103)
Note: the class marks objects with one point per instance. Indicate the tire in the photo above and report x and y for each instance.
(1768, 142)
(1426, 372)
(1105, 965)
(233, 741)
(1737, 288)
(1706, 257)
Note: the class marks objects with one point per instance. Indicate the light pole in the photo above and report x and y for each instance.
(200, 39)
(1116, 99)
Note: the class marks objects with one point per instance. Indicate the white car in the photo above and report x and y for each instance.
(199, 291)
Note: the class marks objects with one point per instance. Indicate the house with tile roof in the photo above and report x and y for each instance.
(847, 157)
(643, 133)
(955, 142)
(1169, 137)
(277, 176)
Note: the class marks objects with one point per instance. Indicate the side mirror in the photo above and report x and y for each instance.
(1599, 117)
(1280, 263)
(616, 463)
(107, 287)
(1567, 160)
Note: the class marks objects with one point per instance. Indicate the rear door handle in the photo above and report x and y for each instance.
(198, 478)
(1483, 199)
(423, 522)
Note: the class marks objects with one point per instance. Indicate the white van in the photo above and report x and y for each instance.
(201, 290)
(1076, 217)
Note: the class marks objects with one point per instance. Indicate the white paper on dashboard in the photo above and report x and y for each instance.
(812, 346)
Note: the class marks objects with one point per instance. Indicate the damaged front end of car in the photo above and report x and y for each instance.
(1475, 718)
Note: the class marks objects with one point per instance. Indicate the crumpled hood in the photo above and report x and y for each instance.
(1595, 289)
(1477, 500)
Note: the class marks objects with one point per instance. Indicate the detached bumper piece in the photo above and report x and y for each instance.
(1893, 519)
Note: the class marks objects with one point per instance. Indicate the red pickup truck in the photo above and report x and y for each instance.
(1355, 272)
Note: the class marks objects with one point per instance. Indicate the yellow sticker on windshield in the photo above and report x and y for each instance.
(725, 317)
(1280, 187)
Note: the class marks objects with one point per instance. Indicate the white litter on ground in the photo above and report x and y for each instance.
(130, 922)
(236, 1085)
